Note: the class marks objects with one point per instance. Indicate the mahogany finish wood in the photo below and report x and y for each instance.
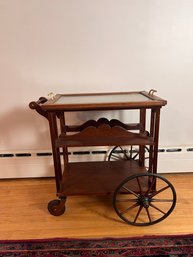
(85, 178)
(99, 177)
(108, 136)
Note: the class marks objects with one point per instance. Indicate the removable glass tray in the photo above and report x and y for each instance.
(99, 101)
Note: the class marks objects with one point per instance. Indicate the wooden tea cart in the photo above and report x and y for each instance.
(140, 196)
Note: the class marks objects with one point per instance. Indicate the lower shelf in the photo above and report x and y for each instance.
(86, 178)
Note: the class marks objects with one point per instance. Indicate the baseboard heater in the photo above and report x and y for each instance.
(36, 163)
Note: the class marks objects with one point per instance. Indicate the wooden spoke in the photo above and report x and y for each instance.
(136, 217)
(130, 208)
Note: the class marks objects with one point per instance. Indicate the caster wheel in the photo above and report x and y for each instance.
(144, 199)
(56, 207)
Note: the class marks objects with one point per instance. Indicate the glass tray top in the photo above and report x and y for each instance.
(111, 98)
(102, 100)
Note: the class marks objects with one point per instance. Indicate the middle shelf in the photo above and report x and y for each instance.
(104, 135)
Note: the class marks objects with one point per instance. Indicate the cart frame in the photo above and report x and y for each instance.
(85, 178)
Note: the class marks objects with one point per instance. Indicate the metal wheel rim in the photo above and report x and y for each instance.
(119, 154)
(115, 154)
(150, 222)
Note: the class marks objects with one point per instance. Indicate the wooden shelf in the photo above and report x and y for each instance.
(86, 178)
(104, 135)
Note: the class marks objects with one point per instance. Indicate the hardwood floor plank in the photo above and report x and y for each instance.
(24, 215)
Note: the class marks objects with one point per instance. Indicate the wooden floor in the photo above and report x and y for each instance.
(24, 215)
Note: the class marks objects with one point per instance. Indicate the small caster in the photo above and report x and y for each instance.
(57, 207)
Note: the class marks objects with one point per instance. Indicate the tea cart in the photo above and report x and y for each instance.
(140, 196)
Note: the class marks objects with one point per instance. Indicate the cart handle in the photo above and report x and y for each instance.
(37, 106)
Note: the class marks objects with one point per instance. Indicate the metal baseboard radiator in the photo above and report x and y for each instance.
(28, 163)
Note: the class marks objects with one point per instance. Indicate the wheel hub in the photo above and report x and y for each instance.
(144, 201)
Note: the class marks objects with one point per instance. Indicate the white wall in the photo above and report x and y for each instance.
(70, 46)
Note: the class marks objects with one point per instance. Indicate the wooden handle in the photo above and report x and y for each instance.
(37, 106)
(33, 105)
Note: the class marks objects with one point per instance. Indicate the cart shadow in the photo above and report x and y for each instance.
(103, 207)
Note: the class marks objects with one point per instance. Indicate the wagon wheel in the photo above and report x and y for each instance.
(144, 199)
(118, 153)
(57, 207)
